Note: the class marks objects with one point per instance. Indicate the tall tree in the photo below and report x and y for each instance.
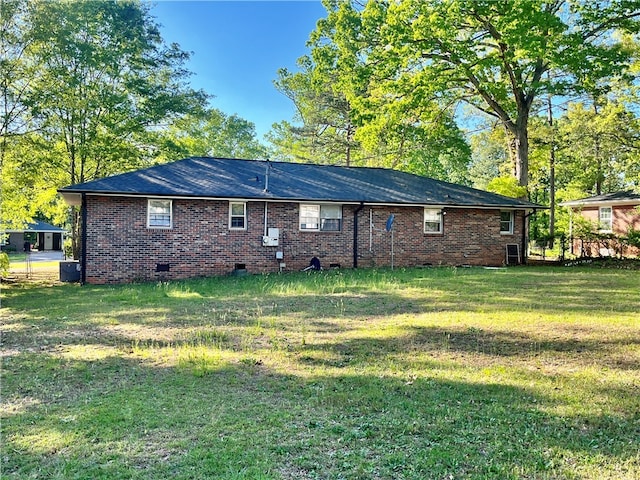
(334, 104)
(104, 78)
(327, 128)
(210, 133)
(491, 54)
(16, 72)
(599, 150)
(107, 76)
(490, 159)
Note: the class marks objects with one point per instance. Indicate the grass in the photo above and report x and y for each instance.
(405, 374)
(19, 267)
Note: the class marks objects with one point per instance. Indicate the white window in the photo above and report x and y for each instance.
(324, 218)
(159, 213)
(237, 215)
(432, 220)
(605, 219)
(506, 222)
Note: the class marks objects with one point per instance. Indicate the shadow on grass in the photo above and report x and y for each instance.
(603, 351)
(118, 418)
(173, 313)
(354, 294)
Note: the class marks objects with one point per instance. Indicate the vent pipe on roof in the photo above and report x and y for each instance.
(266, 176)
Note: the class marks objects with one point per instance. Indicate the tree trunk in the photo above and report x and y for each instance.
(518, 146)
(552, 177)
(552, 196)
(349, 137)
(511, 148)
(75, 232)
(598, 157)
(521, 139)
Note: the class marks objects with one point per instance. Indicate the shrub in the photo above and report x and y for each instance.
(68, 248)
(4, 264)
(633, 238)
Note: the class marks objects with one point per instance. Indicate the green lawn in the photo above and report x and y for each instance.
(18, 264)
(407, 374)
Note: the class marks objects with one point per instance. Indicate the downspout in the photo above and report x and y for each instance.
(524, 234)
(265, 217)
(355, 234)
(83, 241)
(371, 230)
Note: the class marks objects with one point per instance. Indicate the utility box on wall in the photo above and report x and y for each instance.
(272, 239)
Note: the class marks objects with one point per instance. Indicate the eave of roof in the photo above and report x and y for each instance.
(216, 178)
(37, 226)
(617, 198)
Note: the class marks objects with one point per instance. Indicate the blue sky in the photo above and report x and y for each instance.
(237, 48)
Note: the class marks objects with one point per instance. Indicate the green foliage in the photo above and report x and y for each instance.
(104, 77)
(88, 88)
(4, 264)
(344, 118)
(599, 147)
(209, 133)
(407, 63)
(412, 374)
(326, 134)
(633, 238)
(507, 186)
(490, 158)
(68, 248)
(595, 241)
(85, 83)
(29, 181)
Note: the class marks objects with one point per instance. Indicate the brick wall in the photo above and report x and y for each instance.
(624, 218)
(120, 247)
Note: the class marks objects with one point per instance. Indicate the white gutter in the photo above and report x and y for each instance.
(595, 203)
(70, 198)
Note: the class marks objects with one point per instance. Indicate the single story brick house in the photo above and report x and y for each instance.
(213, 216)
(39, 234)
(615, 213)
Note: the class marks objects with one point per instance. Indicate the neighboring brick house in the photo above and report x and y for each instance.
(612, 213)
(211, 216)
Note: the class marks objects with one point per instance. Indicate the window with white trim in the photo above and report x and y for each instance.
(159, 213)
(605, 219)
(432, 220)
(506, 222)
(237, 216)
(320, 217)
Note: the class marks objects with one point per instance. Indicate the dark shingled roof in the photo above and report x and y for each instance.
(625, 197)
(37, 226)
(245, 179)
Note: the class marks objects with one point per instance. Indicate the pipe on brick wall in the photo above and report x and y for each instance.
(525, 232)
(265, 217)
(355, 234)
(83, 240)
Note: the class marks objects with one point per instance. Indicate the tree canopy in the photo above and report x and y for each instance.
(329, 91)
(408, 64)
(91, 89)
